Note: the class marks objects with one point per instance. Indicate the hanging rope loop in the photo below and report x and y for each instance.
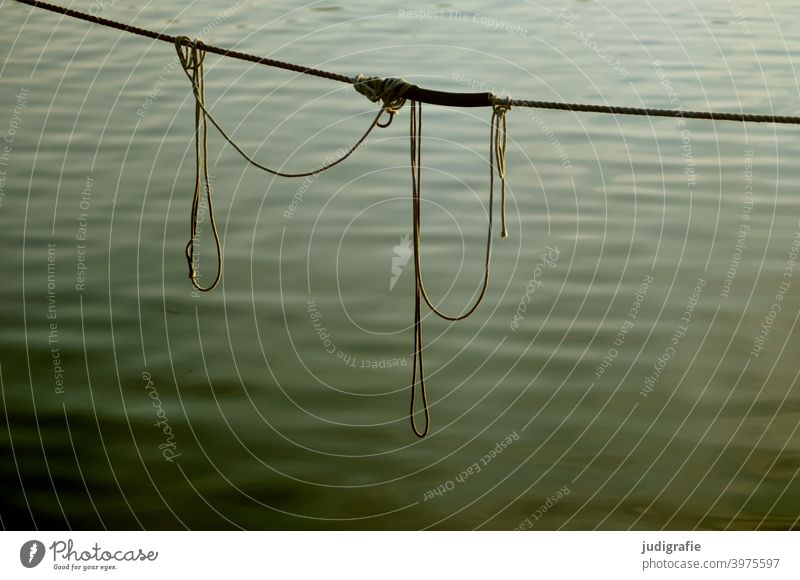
(192, 54)
(497, 157)
(499, 138)
(418, 372)
(192, 58)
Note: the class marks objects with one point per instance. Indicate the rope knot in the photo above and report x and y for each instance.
(190, 52)
(500, 104)
(390, 90)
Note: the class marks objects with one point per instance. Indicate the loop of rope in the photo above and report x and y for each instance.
(497, 149)
(192, 59)
(200, 99)
(497, 153)
(500, 106)
(415, 146)
(192, 54)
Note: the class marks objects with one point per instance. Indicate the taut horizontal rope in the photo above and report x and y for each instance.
(422, 95)
(171, 39)
(677, 113)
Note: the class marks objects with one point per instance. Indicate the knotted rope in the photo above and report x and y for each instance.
(391, 91)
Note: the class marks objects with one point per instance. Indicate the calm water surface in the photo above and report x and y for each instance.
(634, 364)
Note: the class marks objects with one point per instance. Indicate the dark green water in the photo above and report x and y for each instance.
(634, 365)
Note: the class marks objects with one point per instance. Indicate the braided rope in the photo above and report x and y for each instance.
(173, 39)
(423, 95)
(676, 113)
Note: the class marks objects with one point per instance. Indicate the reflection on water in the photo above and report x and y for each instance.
(648, 370)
